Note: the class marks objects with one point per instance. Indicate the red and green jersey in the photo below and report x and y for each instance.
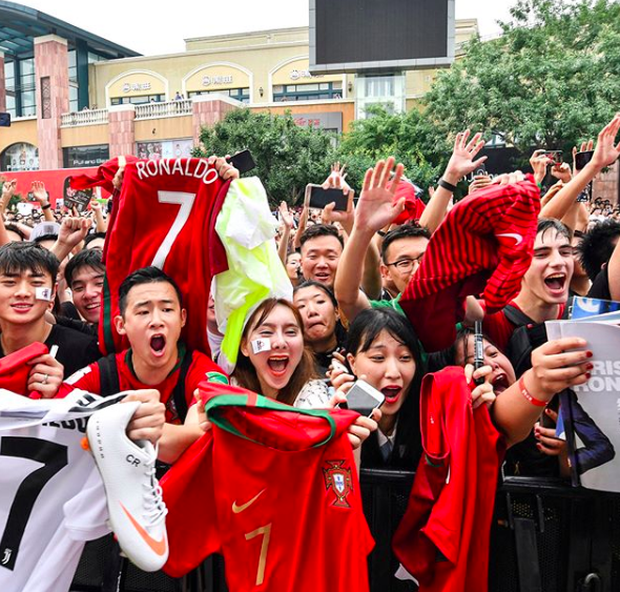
(275, 490)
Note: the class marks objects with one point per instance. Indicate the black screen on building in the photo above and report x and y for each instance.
(354, 31)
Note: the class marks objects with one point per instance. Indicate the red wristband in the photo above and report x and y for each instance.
(533, 400)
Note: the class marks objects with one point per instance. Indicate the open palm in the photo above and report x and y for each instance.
(606, 152)
(376, 207)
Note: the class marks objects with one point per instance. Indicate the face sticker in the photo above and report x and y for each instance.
(43, 294)
(261, 345)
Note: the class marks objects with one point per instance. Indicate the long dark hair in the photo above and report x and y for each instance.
(362, 333)
(245, 372)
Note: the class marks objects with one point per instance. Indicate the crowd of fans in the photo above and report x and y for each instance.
(349, 270)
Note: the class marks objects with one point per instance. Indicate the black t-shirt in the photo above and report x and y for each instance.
(76, 350)
(78, 325)
(68, 310)
(600, 286)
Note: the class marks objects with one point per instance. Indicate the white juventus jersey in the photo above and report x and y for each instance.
(52, 499)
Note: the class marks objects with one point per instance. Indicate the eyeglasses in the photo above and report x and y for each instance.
(405, 265)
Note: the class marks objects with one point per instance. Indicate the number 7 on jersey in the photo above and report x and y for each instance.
(186, 201)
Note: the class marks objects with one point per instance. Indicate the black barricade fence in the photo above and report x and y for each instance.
(546, 537)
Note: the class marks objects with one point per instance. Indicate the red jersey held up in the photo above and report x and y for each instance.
(275, 490)
(484, 245)
(165, 216)
(443, 539)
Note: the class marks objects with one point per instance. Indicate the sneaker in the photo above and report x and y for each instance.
(137, 510)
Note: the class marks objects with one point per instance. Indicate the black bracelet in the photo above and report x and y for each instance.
(46, 206)
(448, 186)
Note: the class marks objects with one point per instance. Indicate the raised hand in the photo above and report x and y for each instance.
(285, 215)
(606, 151)
(539, 163)
(8, 189)
(562, 172)
(39, 193)
(224, 169)
(376, 207)
(462, 161)
(479, 182)
(73, 231)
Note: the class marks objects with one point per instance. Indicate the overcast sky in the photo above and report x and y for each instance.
(156, 27)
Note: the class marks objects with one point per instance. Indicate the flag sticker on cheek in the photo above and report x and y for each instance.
(43, 294)
(261, 345)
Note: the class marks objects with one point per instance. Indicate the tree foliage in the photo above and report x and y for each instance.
(410, 137)
(287, 156)
(551, 80)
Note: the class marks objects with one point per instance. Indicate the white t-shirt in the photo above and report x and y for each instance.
(52, 498)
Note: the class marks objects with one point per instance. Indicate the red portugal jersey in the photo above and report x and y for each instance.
(483, 246)
(443, 539)
(166, 217)
(275, 490)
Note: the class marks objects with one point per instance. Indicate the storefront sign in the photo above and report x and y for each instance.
(216, 80)
(299, 74)
(325, 121)
(166, 149)
(134, 86)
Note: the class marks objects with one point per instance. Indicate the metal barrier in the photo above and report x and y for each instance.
(546, 537)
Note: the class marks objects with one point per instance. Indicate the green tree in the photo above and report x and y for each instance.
(287, 156)
(410, 137)
(551, 80)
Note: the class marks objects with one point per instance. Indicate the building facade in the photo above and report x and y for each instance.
(155, 106)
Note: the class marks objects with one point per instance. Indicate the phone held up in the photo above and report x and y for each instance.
(555, 156)
(364, 398)
(242, 161)
(583, 158)
(318, 197)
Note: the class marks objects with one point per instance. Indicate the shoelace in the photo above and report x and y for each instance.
(154, 508)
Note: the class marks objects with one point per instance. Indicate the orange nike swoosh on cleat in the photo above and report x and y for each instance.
(159, 547)
(237, 509)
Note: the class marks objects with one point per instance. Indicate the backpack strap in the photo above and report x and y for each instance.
(108, 376)
(178, 394)
(515, 316)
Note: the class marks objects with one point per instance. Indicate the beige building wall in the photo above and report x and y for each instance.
(24, 130)
(90, 135)
(171, 128)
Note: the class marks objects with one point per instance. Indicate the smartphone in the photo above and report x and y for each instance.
(320, 197)
(363, 398)
(583, 158)
(555, 156)
(478, 350)
(242, 161)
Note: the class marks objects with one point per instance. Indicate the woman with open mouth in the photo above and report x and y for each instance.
(275, 361)
(384, 351)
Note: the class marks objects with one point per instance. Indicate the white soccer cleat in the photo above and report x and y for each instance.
(135, 504)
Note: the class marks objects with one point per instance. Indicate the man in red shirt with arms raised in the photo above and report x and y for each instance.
(151, 318)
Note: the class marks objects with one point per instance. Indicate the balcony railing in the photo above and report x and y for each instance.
(88, 117)
(160, 110)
